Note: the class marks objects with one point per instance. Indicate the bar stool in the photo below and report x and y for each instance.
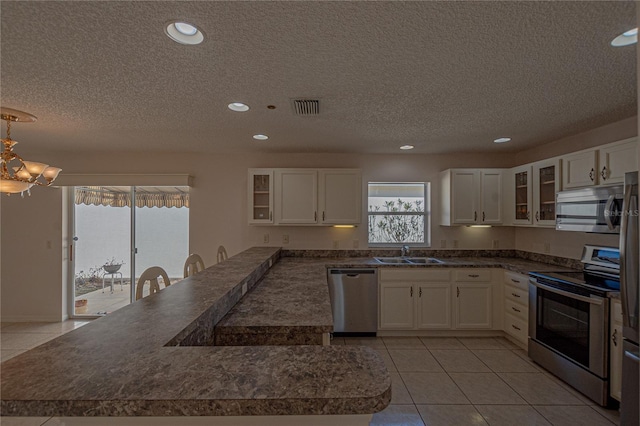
(151, 274)
(193, 265)
(222, 254)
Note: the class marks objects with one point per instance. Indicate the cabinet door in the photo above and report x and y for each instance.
(490, 197)
(579, 170)
(434, 305)
(260, 196)
(296, 195)
(617, 159)
(472, 306)
(546, 183)
(465, 187)
(522, 190)
(340, 197)
(396, 306)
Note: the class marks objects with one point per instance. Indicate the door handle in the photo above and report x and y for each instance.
(323, 216)
(420, 292)
(592, 174)
(537, 216)
(516, 310)
(614, 337)
(603, 173)
(70, 252)
(483, 216)
(411, 292)
(475, 216)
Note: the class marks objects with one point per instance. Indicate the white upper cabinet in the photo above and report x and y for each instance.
(604, 165)
(305, 196)
(546, 183)
(471, 197)
(260, 196)
(522, 185)
(616, 159)
(580, 169)
(296, 196)
(340, 196)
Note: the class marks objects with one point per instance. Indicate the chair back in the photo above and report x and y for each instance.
(151, 274)
(193, 265)
(222, 254)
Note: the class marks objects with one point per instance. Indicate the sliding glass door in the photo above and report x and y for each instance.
(111, 224)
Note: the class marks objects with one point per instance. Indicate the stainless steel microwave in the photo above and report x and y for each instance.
(597, 209)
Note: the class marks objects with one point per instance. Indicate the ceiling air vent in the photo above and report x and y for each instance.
(306, 106)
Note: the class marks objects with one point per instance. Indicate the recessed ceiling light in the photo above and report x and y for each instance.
(501, 140)
(261, 137)
(626, 38)
(184, 33)
(405, 147)
(238, 107)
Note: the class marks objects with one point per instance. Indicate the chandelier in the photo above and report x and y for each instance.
(16, 174)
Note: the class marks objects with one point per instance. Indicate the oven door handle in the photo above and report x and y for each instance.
(593, 301)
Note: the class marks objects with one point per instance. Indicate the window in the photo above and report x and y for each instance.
(399, 213)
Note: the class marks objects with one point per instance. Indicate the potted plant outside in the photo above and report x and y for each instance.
(112, 266)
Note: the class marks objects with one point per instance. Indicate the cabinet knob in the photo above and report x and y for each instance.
(515, 295)
(411, 292)
(483, 216)
(457, 291)
(603, 173)
(515, 309)
(592, 174)
(537, 216)
(473, 275)
(475, 216)
(528, 215)
(315, 216)
(420, 292)
(323, 216)
(614, 337)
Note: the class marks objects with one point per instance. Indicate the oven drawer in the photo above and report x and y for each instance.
(517, 280)
(516, 328)
(516, 309)
(517, 295)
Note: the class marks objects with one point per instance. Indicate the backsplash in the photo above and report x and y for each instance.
(536, 257)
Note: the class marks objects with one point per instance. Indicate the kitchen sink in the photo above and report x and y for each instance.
(407, 260)
(391, 260)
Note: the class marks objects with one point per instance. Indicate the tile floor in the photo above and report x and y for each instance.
(436, 381)
(475, 381)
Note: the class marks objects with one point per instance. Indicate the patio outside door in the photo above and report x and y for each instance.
(106, 231)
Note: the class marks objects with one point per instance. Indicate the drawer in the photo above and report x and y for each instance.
(517, 280)
(415, 274)
(516, 309)
(516, 328)
(516, 294)
(616, 311)
(473, 275)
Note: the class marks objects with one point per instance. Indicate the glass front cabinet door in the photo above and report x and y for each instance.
(522, 192)
(546, 176)
(260, 196)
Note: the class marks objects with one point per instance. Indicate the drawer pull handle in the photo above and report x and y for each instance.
(515, 295)
(517, 328)
(473, 275)
(515, 281)
(515, 309)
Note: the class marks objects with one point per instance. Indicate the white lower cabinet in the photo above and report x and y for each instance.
(516, 306)
(615, 351)
(436, 299)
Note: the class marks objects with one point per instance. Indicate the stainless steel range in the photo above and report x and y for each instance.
(569, 321)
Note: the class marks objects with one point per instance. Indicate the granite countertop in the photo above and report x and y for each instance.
(151, 358)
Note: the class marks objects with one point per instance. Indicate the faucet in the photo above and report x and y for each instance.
(404, 251)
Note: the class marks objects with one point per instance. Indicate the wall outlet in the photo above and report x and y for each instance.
(336, 244)
(285, 239)
(443, 243)
(455, 243)
(265, 238)
(356, 243)
(495, 244)
(547, 247)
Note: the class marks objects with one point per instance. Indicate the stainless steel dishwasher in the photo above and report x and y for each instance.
(354, 301)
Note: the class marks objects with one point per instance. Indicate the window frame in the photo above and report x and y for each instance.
(426, 214)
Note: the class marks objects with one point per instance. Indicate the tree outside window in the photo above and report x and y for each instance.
(397, 213)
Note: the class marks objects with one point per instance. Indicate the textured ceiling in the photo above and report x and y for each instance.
(443, 76)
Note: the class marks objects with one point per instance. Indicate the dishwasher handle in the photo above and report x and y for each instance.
(351, 272)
